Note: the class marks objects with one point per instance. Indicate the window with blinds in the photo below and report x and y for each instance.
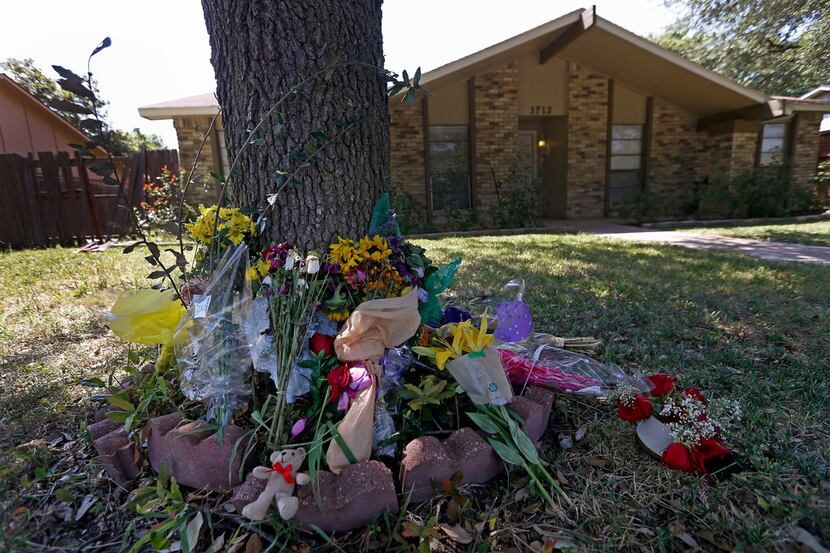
(626, 174)
(449, 167)
(772, 144)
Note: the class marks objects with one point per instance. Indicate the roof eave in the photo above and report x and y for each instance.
(497, 49)
(156, 114)
(749, 93)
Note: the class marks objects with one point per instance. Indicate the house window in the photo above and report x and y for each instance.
(772, 144)
(449, 167)
(626, 163)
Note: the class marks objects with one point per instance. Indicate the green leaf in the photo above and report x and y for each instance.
(67, 74)
(343, 445)
(507, 453)
(119, 417)
(92, 382)
(258, 142)
(484, 422)
(120, 401)
(72, 107)
(523, 443)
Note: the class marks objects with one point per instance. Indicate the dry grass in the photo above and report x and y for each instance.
(732, 325)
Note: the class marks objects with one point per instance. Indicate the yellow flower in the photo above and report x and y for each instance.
(338, 316)
(251, 273)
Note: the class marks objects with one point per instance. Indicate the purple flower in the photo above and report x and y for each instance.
(298, 427)
(284, 290)
(455, 315)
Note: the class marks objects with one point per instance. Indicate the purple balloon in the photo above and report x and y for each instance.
(515, 322)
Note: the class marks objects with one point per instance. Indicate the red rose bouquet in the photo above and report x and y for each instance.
(695, 426)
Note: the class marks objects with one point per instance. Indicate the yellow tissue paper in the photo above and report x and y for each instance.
(146, 317)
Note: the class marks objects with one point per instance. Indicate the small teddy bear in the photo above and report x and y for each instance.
(282, 478)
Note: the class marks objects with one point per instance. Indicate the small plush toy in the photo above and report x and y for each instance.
(282, 478)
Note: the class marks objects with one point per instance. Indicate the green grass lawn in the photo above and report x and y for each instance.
(815, 234)
(730, 324)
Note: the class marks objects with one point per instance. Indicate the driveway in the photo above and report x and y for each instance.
(770, 251)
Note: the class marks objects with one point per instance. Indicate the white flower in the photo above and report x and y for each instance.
(301, 286)
(290, 260)
(312, 264)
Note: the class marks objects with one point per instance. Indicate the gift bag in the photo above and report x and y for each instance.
(482, 376)
(374, 326)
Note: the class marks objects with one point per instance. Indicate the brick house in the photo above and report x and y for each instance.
(596, 113)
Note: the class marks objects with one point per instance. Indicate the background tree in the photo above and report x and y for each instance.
(332, 134)
(47, 90)
(777, 46)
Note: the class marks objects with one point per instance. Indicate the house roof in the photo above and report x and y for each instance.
(585, 38)
(7, 81)
(816, 92)
(200, 104)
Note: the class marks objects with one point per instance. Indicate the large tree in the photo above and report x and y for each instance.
(777, 46)
(330, 138)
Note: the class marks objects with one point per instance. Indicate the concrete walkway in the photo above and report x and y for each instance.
(770, 251)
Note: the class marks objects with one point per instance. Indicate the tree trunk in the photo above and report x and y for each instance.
(259, 51)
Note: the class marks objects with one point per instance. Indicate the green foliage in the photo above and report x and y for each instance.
(517, 201)
(776, 46)
(411, 216)
(765, 192)
(161, 210)
(431, 391)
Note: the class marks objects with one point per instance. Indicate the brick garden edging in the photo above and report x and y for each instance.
(352, 499)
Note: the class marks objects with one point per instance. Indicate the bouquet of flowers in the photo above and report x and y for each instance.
(693, 427)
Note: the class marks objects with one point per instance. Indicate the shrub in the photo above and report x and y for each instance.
(517, 202)
(160, 208)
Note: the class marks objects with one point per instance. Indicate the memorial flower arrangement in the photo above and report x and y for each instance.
(696, 426)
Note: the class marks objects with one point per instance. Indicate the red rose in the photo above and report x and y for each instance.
(691, 391)
(338, 379)
(640, 409)
(663, 385)
(710, 448)
(679, 457)
(321, 343)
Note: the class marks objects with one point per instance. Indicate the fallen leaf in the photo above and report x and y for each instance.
(688, 540)
(64, 494)
(580, 433)
(194, 527)
(237, 544)
(453, 511)
(88, 502)
(254, 544)
(806, 539)
(566, 443)
(19, 511)
(217, 544)
(709, 536)
(456, 533)
(34, 444)
(598, 461)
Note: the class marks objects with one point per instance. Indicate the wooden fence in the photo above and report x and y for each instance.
(53, 198)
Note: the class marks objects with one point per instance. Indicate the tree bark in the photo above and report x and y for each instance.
(260, 49)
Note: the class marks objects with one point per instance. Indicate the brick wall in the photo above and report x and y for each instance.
(804, 152)
(496, 111)
(732, 153)
(587, 141)
(678, 155)
(406, 137)
(190, 132)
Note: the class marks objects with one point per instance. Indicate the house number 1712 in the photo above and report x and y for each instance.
(541, 110)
